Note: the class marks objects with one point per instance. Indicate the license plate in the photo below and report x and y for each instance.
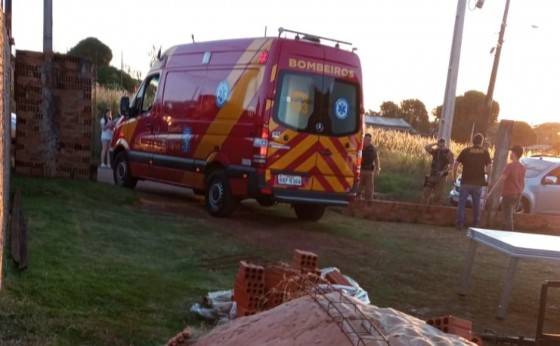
(292, 180)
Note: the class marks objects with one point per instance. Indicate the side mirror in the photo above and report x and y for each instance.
(125, 106)
(550, 180)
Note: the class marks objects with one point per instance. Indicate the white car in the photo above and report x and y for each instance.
(542, 186)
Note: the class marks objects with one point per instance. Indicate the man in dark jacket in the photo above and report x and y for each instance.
(477, 164)
(442, 162)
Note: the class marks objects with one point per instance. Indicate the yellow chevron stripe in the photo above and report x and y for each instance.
(294, 152)
(340, 162)
(273, 74)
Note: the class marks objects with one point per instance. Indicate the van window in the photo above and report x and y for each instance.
(307, 100)
(297, 99)
(182, 93)
(146, 95)
(150, 94)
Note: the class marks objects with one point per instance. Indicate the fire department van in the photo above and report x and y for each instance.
(277, 119)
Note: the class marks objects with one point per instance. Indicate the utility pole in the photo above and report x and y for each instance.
(446, 119)
(490, 93)
(47, 26)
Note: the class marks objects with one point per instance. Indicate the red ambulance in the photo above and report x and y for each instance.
(277, 119)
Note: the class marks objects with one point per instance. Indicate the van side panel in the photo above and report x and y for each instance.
(237, 88)
(210, 110)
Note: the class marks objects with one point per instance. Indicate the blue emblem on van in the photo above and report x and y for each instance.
(222, 93)
(341, 108)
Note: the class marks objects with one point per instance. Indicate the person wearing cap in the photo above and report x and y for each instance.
(442, 161)
(476, 165)
(512, 182)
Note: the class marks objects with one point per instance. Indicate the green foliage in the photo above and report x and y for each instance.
(102, 271)
(523, 134)
(414, 112)
(113, 78)
(390, 110)
(101, 55)
(98, 52)
(548, 133)
(470, 115)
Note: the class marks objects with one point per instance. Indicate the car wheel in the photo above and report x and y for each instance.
(219, 200)
(121, 172)
(524, 207)
(309, 212)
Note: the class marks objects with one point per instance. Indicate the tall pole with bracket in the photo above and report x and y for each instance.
(446, 119)
(490, 93)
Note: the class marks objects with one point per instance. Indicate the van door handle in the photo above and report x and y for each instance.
(326, 152)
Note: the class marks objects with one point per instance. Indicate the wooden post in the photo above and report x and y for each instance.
(501, 150)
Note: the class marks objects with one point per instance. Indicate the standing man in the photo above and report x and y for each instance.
(370, 168)
(476, 164)
(513, 181)
(442, 162)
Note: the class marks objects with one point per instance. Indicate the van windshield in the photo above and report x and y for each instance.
(317, 104)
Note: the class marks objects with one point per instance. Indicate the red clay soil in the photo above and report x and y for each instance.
(320, 320)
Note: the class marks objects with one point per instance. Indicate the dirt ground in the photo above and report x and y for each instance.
(283, 234)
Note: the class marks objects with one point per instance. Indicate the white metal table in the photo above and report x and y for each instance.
(514, 244)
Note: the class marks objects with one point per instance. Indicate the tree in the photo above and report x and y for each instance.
(98, 52)
(470, 115)
(113, 78)
(414, 112)
(389, 109)
(548, 133)
(101, 55)
(523, 134)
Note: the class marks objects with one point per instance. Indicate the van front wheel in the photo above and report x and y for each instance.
(219, 200)
(121, 172)
(309, 212)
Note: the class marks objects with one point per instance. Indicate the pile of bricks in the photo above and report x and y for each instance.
(455, 325)
(248, 290)
(258, 288)
(53, 95)
(182, 338)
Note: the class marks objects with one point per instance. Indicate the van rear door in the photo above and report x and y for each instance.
(316, 126)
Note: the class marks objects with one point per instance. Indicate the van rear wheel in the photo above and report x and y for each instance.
(121, 172)
(309, 212)
(219, 200)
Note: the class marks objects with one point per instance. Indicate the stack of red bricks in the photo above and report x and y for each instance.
(248, 291)
(455, 325)
(182, 338)
(54, 113)
(257, 288)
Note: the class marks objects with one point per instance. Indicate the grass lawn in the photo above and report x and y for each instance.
(104, 270)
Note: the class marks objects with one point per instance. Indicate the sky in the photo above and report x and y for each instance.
(404, 45)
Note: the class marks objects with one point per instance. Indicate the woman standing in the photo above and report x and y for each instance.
(107, 126)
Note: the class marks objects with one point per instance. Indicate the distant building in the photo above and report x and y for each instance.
(393, 124)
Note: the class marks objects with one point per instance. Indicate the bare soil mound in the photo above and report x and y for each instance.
(330, 319)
